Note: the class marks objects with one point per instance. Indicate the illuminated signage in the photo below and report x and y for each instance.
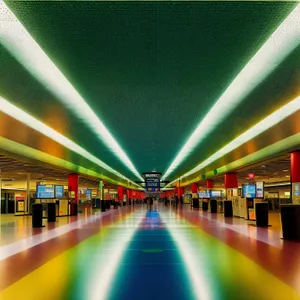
(152, 182)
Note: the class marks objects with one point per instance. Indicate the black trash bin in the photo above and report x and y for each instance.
(103, 209)
(290, 219)
(262, 214)
(51, 212)
(195, 203)
(37, 215)
(205, 205)
(213, 206)
(228, 211)
(73, 209)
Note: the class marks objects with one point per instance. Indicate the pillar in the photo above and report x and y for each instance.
(180, 191)
(0, 192)
(27, 199)
(194, 188)
(73, 180)
(295, 176)
(120, 194)
(231, 181)
(209, 183)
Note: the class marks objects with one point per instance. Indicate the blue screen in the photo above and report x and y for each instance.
(249, 191)
(44, 192)
(59, 191)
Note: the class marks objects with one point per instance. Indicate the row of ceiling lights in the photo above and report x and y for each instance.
(281, 43)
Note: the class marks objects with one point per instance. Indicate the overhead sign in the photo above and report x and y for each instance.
(152, 182)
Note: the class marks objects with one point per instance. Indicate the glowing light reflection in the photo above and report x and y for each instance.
(279, 45)
(37, 125)
(16, 39)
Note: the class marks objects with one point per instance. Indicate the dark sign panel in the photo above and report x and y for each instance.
(152, 182)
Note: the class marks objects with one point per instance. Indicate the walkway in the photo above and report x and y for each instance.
(134, 254)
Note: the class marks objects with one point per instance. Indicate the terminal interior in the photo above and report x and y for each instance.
(149, 150)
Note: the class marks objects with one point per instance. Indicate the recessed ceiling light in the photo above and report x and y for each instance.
(287, 176)
(285, 170)
(263, 166)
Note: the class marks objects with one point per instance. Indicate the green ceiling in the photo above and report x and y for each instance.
(150, 70)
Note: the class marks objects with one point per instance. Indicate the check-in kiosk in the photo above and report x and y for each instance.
(52, 194)
(253, 193)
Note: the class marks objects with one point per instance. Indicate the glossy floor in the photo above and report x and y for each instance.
(130, 253)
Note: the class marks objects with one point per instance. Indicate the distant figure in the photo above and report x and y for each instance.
(151, 203)
(155, 205)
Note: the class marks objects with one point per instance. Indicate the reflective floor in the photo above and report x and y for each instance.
(131, 253)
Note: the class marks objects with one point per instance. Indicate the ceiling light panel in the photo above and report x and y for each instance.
(279, 45)
(248, 135)
(15, 38)
(18, 114)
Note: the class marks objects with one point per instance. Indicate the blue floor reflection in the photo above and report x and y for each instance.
(151, 267)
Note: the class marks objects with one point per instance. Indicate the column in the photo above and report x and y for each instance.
(0, 194)
(120, 194)
(209, 184)
(180, 194)
(130, 200)
(295, 177)
(195, 196)
(101, 195)
(27, 199)
(230, 182)
(73, 180)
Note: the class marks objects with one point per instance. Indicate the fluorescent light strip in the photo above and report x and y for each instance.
(279, 45)
(16, 39)
(254, 131)
(37, 125)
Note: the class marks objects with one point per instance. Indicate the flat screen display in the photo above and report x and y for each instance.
(88, 193)
(59, 191)
(215, 194)
(204, 194)
(45, 192)
(249, 191)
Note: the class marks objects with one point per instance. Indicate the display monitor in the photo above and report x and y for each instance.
(204, 194)
(45, 192)
(88, 194)
(59, 191)
(248, 191)
(215, 194)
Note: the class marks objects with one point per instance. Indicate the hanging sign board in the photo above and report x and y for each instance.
(152, 182)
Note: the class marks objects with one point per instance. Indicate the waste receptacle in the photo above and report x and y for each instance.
(37, 215)
(228, 211)
(262, 214)
(205, 205)
(195, 203)
(213, 206)
(103, 205)
(73, 209)
(290, 219)
(51, 212)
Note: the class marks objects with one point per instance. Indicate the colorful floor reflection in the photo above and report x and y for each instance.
(135, 254)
